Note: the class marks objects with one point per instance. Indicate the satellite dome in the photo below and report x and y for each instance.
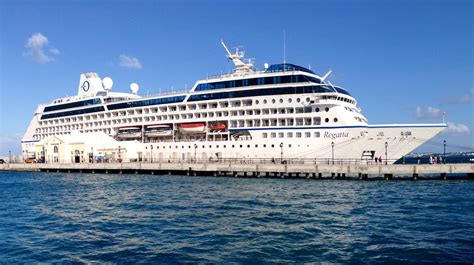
(265, 65)
(107, 83)
(134, 88)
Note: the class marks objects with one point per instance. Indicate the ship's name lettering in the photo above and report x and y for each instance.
(336, 135)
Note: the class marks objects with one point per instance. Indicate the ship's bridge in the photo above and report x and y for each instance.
(287, 67)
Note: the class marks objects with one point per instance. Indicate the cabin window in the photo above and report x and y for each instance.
(317, 121)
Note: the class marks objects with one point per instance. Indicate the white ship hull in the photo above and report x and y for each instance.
(349, 145)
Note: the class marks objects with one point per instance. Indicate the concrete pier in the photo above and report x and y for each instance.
(362, 172)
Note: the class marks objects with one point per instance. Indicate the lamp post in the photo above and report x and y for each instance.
(444, 152)
(281, 153)
(9, 156)
(195, 148)
(386, 157)
(92, 154)
(332, 146)
(151, 153)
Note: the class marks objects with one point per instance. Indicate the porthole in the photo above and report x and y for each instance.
(281, 100)
(335, 119)
(264, 101)
(256, 102)
(290, 100)
(326, 120)
(317, 109)
(308, 99)
(273, 101)
(326, 109)
(298, 100)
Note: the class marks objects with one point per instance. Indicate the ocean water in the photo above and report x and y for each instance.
(84, 218)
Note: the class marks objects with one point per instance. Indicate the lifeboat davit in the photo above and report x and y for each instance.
(217, 127)
(189, 128)
(158, 130)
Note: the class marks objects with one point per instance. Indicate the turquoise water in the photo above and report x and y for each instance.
(83, 218)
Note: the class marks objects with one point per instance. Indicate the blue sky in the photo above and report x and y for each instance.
(404, 61)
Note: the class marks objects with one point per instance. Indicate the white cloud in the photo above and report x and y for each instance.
(459, 128)
(54, 51)
(129, 62)
(428, 113)
(463, 99)
(39, 50)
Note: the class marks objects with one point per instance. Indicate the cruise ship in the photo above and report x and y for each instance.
(284, 112)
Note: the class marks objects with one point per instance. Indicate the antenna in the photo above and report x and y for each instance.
(326, 75)
(225, 47)
(284, 46)
(444, 116)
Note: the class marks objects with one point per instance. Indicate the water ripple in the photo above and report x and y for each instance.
(84, 218)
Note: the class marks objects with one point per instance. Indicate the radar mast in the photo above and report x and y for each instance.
(241, 68)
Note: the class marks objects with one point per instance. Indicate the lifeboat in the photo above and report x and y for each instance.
(158, 130)
(217, 127)
(189, 128)
(129, 132)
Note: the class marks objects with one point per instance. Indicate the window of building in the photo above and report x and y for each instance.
(264, 135)
(289, 135)
(281, 135)
(298, 135)
(307, 134)
(273, 135)
(317, 134)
